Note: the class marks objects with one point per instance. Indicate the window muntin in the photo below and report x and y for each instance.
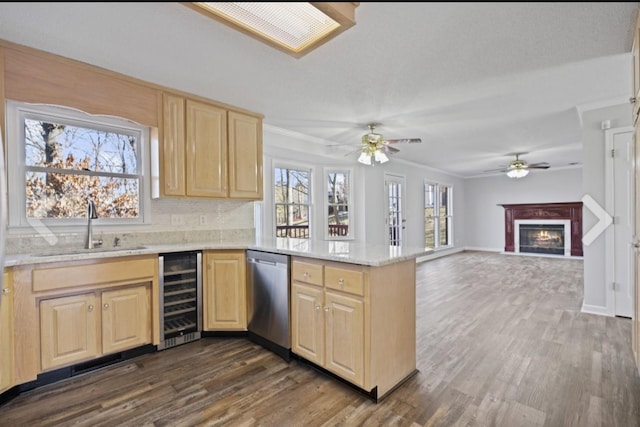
(339, 210)
(64, 157)
(292, 196)
(438, 216)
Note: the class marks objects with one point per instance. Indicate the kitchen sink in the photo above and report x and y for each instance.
(75, 251)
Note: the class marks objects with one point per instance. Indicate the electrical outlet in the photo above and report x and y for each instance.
(177, 219)
(203, 220)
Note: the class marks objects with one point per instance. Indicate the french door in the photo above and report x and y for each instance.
(394, 200)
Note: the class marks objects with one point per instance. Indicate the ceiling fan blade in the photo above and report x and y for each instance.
(389, 150)
(497, 170)
(351, 153)
(403, 141)
(542, 165)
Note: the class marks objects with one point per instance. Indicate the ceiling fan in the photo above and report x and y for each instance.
(375, 147)
(519, 168)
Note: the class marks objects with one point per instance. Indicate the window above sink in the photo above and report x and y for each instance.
(65, 157)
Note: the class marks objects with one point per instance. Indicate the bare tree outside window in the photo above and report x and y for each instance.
(292, 202)
(437, 215)
(67, 164)
(338, 204)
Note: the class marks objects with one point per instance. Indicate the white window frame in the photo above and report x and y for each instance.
(16, 113)
(436, 211)
(349, 172)
(310, 205)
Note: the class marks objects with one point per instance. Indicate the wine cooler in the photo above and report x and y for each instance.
(180, 298)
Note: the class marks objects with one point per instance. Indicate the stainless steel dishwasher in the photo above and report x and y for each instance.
(269, 301)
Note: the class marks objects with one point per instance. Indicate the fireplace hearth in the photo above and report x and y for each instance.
(544, 228)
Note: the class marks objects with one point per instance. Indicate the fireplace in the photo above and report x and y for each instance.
(542, 237)
(544, 228)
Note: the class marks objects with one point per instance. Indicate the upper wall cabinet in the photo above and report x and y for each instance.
(245, 156)
(208, 151)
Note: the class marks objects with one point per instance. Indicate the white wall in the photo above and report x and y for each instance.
(593, 184)
(484, 217)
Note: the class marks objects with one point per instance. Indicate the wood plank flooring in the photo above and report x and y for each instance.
(501, 342)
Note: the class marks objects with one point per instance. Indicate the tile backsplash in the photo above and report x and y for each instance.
(174, 221)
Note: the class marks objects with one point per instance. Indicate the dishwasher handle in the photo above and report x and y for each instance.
(261, 261)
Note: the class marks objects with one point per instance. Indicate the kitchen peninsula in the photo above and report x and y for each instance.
(352, 305)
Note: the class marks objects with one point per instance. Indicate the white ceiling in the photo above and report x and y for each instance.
(475, 81)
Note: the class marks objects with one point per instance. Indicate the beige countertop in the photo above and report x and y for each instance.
(342, 251)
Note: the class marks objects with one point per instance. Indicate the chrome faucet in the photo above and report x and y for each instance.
(92, 214)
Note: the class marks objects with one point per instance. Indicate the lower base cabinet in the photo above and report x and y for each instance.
(358, 322)
(328, 330)
(224, 291)
(6, 333)
(82, 327)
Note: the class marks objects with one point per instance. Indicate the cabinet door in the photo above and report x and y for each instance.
(206, 150)
(225, 291)
(126, 320)
(344, 353)
(307, 322)
(6, 333)
(173, 146)
(68, 330)
(245, 156)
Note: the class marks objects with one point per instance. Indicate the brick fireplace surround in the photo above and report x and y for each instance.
(555, 211)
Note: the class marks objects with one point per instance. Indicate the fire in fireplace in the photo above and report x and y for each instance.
(542, 238)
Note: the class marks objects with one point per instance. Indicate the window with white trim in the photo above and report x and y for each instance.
(292, 200)
(438, 217)
(338, 204)
(64, 157)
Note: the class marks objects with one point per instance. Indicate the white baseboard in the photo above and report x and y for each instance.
(473, 248)
(439, 253)
(595, 309)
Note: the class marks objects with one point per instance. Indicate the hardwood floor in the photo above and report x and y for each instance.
(501, 342)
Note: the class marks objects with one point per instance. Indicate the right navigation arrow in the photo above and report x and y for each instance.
(604, 219)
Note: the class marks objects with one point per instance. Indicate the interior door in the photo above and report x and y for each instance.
(620, 141)
(394, 206)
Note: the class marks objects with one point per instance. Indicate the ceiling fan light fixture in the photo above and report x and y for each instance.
(380, 157)
(517, 172)
(365, 158)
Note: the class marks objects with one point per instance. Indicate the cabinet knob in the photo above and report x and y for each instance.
(326, 309)
(341, 282)
(90, 308)
(105, 306)
(306, 274)
(5, 291)
(632, 100)
(317, 307)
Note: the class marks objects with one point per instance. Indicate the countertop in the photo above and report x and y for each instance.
(342, 251)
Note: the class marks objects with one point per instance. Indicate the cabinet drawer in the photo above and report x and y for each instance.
(306, 272)
(344, 280)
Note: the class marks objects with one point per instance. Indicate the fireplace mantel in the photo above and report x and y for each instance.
(571, 211)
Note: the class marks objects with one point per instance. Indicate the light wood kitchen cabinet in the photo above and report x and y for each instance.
(209, 151)
(225, 291)
(126, 319)
(245, 156)
(68, 330)
(82, 327)
(356, 321)
(75, 311)
(328, 327)
(6, 333)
